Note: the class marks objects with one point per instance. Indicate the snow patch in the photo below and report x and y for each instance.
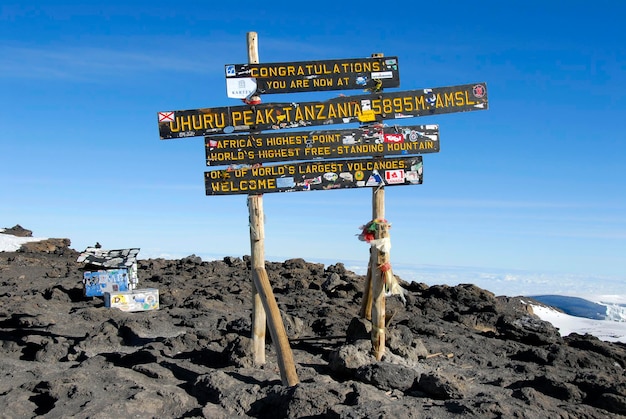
(10, 243)
(610, 331)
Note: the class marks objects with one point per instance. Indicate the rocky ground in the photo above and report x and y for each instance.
(451, 351)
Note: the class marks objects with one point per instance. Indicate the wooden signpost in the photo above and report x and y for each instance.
(371, 154)
(264, 306)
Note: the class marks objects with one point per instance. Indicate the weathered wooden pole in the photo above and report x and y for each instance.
(257, 244)
(379, 265)
(257, 256)
(286, 365)
(265, 309)
(378, 211)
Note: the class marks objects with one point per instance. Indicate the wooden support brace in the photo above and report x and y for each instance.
(277, 328)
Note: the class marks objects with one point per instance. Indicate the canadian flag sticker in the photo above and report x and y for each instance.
(394, 176)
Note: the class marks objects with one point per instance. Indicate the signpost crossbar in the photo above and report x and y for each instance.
(373, 73)
(315, 175)
(367, 108)
(363, 141)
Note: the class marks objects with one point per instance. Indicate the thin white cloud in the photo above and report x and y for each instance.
(494, 204)
(88, 63)
(590, 233)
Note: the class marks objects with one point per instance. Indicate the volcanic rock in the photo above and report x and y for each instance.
(450, 351)
(18, 231)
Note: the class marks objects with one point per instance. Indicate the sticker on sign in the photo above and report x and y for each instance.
(166, 116)
(394, 138)
(394, 176)
(240, 88)
(382, 75)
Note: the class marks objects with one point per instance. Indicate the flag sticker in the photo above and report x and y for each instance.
(394, 138)
(394, 176)
(166, 116)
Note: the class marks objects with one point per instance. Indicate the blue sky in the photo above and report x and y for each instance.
(537, 183)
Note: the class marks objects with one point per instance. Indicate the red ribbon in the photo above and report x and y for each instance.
(251, 101)
(385, 267)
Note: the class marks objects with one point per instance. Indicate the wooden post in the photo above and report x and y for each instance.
(378, 211)
(264, 303)
(257, 256)
(257, 244)
(277, 328)
(378, 259)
